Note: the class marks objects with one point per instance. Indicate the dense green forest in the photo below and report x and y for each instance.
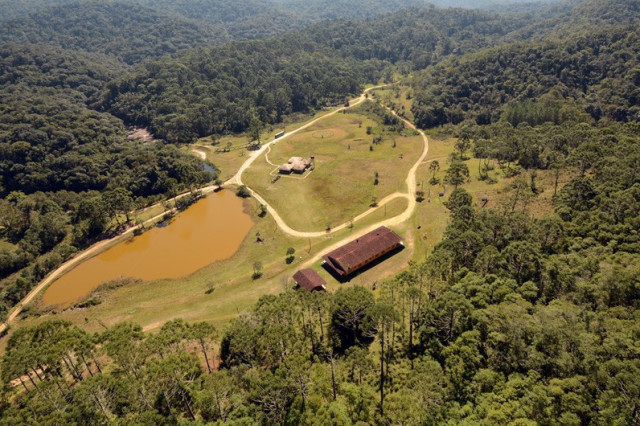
(130, 33)
(513, 318)
(599, 71)
(220, 89)
(238, 19)
(589, 55)
(510, 320)
(66, 170)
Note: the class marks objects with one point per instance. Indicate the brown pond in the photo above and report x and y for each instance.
(210, 230)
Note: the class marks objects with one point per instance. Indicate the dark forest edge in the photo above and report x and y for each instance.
(510, 319)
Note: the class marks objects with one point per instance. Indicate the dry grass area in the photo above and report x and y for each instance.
(6, 245)
(151, 303)
(229, 162)
(398, 97)
(431, 217)
(342, 183)
(339, 188)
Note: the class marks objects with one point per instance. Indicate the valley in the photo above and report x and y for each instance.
(319, 212)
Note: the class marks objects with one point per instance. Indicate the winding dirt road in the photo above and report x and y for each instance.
(410, 182)
(237, 180)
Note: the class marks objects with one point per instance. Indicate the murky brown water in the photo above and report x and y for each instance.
(210, 230)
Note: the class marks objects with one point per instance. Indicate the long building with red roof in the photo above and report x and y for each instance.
(360, 252)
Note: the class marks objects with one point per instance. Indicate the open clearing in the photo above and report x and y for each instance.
(234, 291)
(229, 162)
(342, 183)
(153, 303)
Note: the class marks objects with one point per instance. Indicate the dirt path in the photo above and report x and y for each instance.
(410, 182)
(66, 267)
(396, 220)
(75, 261)
(199, 153)
(237, 179)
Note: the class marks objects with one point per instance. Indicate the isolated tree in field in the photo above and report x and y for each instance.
(434, 167)
(290, 255)
(457, 174)
(243, 192)
(463, 144)
(257, 270)
(219, 183)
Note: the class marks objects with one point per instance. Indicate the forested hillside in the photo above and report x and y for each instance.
(515, 317)
(65, 169)
(599, 71)
(220, 89)
(241, 19)
(510, 320)
(128, 32)
(472, 70)
(589, 55)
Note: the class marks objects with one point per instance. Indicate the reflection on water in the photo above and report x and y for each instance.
(209, 169)
(210, 230)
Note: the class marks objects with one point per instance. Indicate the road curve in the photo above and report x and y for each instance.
(66, 267)
(237, 179)
(410, 182)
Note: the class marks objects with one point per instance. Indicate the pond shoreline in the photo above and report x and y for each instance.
(189, 242)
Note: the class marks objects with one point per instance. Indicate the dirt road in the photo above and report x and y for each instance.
(410, 182)
(237, 179)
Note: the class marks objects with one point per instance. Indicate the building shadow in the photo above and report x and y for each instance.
(362, 270)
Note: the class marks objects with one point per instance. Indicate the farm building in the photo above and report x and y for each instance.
(295, 165)
(309, 280)
(360, 252)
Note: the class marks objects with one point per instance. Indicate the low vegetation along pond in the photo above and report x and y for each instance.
(210, 230)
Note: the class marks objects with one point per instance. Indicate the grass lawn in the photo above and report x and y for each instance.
(153, 303)
(338, 189)
(229, 162)
(396, 97)
(6, 245)
(342, 184)
(431, 217)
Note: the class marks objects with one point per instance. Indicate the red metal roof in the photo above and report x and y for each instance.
(309, 280)
(367, 248)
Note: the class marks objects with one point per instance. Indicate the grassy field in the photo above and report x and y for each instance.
(431, 217)
(229, 162)
(339, 188)
(342, 183)
(6, 245)
(153, 303)
(398, 97)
